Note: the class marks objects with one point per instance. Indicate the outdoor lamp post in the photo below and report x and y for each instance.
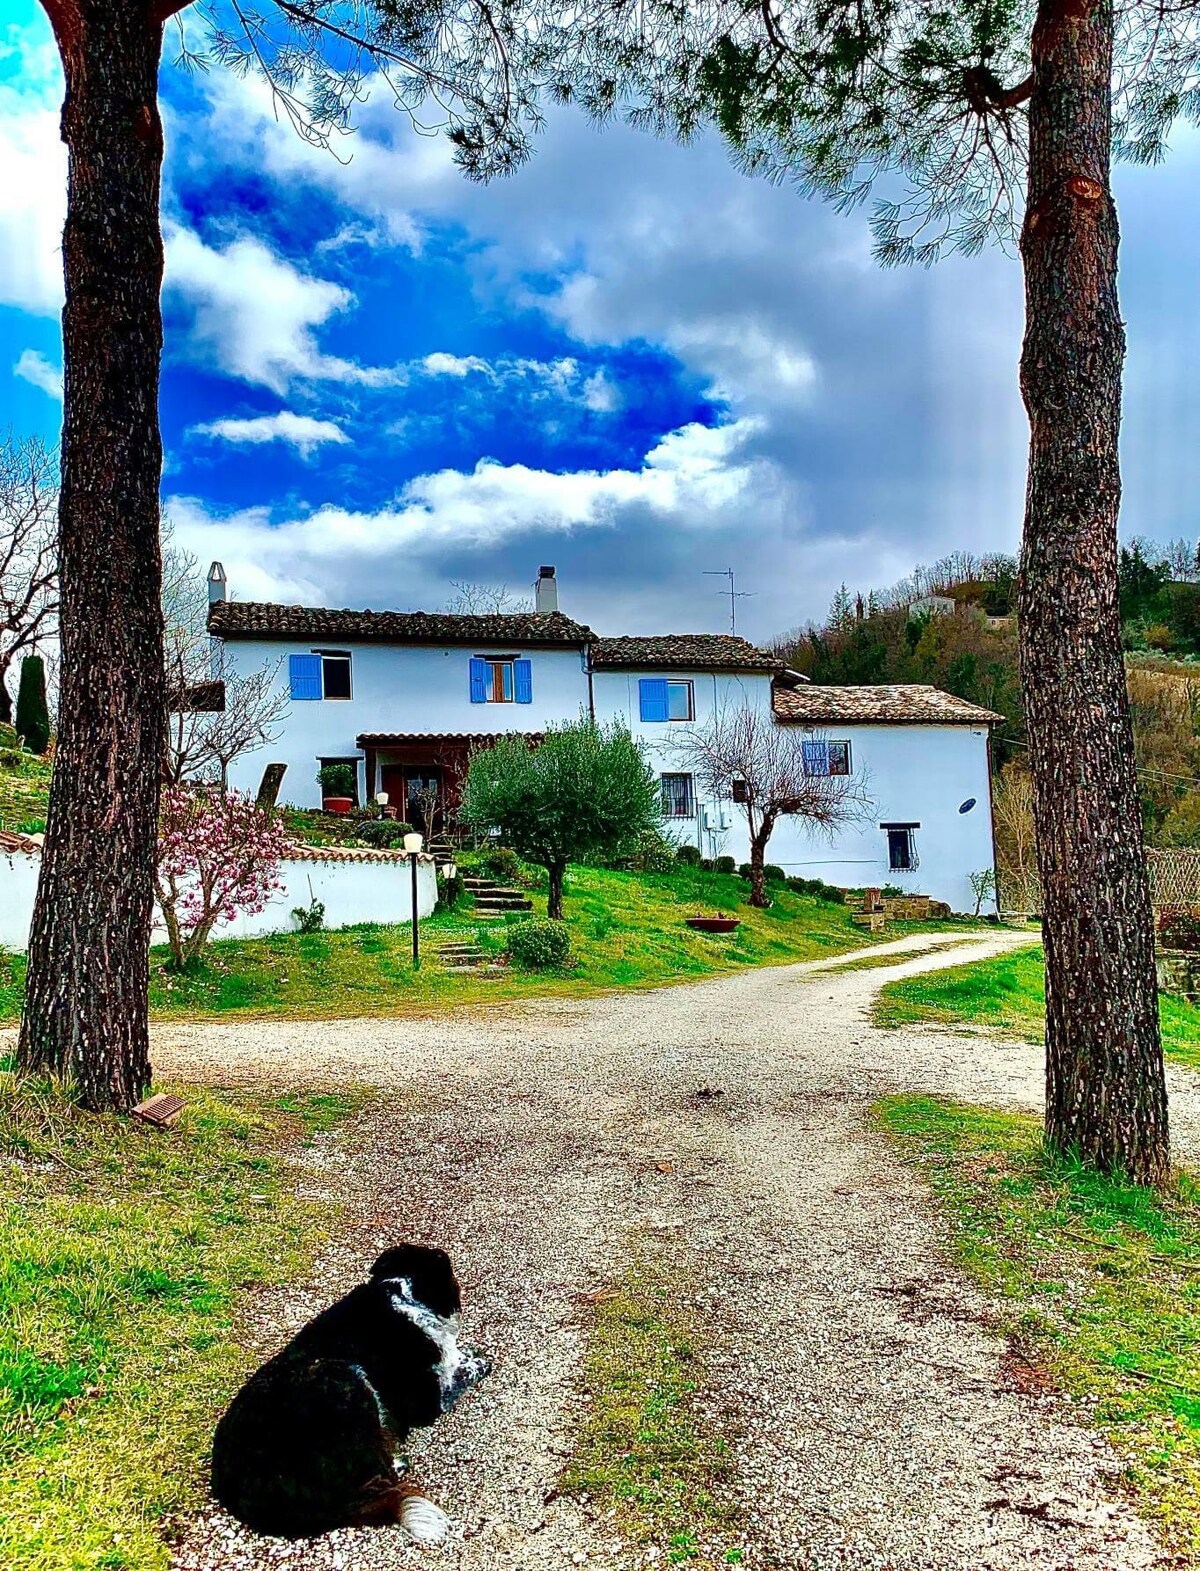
(381, 801)
(412, 849)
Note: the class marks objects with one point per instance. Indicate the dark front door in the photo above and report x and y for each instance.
(424, 804)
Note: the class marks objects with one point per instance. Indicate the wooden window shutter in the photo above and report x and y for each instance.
(652, 699)
(523, 681)
(304, 677)
(479, 681)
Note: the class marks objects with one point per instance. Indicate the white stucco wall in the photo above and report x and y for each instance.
(352, 892)
(919, 774)
(18, 885)
(406, 687)
(616, 698)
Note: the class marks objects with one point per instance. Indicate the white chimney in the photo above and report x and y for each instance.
(545, 591)
(216, 584)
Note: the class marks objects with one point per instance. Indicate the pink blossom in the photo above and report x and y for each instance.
(218, 859)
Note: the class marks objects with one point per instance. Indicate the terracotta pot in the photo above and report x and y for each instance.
(338, 804)
(713, 924)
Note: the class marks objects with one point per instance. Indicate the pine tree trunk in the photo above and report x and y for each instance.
(554, 897)
(86, 1004)
(1105, 1090)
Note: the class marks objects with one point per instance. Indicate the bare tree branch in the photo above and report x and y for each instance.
(28, 553)
(770, 770)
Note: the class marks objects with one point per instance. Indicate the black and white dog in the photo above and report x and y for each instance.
(307, 1444)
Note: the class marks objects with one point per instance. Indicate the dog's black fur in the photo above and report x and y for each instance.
(307, 1443)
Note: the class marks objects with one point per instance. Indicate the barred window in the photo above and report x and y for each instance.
(678, 797)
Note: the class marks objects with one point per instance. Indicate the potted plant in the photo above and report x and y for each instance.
(337, 787)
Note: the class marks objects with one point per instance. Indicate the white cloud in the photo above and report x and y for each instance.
(302, 432)
(33, 189)
(441, 364)
(33, 367)
(255, 315)
(687, 483)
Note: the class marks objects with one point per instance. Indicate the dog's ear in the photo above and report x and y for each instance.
(427, 1270)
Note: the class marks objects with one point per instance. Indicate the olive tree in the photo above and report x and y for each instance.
(584, 790)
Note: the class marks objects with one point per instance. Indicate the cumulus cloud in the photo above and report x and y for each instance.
(255, 315)
(33, 367)
(302, 432)
(688, 481)
(33, 189)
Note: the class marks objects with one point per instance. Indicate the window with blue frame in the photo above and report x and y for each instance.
(826, 758)
(504, 681)
(662, 699)
(323, 674)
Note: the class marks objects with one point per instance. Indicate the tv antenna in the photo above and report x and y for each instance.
(735, 594)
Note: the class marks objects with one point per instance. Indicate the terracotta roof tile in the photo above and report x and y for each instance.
(26, 845)
(254, 619)
(682, 652)
(911, 704)
(296, 852)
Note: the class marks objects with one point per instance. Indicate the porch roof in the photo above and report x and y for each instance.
(377, 739)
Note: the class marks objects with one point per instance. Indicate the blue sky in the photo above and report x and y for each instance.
(627, 359)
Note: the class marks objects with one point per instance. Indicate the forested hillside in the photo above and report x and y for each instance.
(954, 625)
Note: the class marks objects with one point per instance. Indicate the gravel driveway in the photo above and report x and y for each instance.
(858, 1374)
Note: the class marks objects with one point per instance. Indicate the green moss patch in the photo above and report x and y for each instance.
(645, 1452)
(1103, 1278)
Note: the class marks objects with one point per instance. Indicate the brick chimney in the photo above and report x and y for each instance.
(545, 591)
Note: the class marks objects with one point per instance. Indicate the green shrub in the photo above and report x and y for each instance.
(501, 862)
(337, 780)
(774, 874)
(725, 864)
(743, 870)
(817, 888)
(537, 943)
(385, 834)
(310, 918)
(651, 852)
(1180, 930)
(688, 855)
(11, 758)
(706, 864)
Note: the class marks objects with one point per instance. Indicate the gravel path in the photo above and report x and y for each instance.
(875, 1419)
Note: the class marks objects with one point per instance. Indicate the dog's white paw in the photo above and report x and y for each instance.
(424, 1522)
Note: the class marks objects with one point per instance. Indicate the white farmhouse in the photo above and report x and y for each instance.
(405, 697)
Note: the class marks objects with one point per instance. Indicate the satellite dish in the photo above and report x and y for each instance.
(965, 807)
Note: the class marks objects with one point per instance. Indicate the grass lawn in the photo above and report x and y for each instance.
(1103, 1279)
(124, 1252)
(24, 792)
(1007, 994)
(644, 1451)
(626, 931)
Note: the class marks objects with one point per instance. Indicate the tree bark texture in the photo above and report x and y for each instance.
(85, 1014)
(1105, 1088)
(554, 896)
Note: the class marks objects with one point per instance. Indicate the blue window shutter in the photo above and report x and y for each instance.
(816, 758)
(479, 681)
(523, 681)
(304, 676)
(652, 698)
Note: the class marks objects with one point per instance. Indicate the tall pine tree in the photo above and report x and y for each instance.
(33, 713)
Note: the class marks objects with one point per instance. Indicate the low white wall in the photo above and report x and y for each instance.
(370, 891)
(18, 885)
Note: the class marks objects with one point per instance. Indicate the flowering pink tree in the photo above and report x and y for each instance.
(218, 858)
